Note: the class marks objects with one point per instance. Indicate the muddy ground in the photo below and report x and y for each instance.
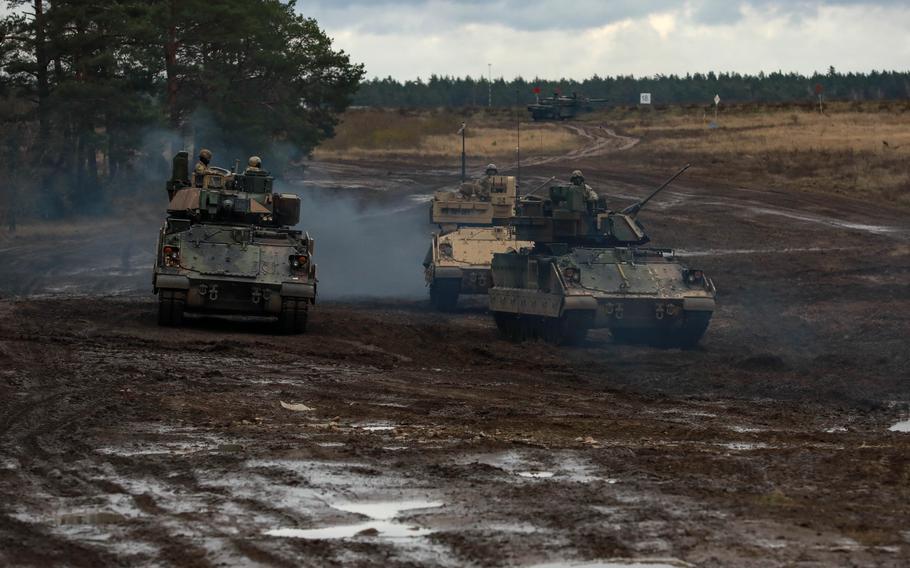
(408, 437)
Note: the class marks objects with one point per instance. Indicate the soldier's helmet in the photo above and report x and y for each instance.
(577, 177)
(492, 170)
(255, 162)
(205, 155)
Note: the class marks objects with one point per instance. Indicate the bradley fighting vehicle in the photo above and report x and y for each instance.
(588, 269)
(227, 247)
(560, 107)
(473, 226)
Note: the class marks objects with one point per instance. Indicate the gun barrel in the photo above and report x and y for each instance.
(633, 209)
(539, 187)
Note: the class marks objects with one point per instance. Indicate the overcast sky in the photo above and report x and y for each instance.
(576, 39)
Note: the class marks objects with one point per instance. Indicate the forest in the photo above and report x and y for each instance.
(696, 88)
(95, 93)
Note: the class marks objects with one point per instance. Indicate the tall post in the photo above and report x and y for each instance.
(490, 85)
(518, 131)
(463, 175)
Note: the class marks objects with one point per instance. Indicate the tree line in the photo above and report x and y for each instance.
(92, 92)
(621, 90)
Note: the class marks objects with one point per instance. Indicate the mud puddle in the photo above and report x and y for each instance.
(382, 522)
(559, 467)
(619, 563)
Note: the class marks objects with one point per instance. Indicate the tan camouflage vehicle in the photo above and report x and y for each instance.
(228, 247)
(472, 228)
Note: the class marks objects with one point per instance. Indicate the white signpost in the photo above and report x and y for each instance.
(716, 104)
(645, 98)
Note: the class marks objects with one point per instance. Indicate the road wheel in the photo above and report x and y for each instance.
(444, 294)
(170, 307)
(293, 316)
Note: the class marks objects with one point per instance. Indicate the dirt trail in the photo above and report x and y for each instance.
(430, 441)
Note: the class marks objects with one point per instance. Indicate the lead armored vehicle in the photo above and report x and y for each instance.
(228, 247)
(472, 228)
(587, 269)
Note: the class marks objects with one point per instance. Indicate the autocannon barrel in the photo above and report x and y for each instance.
(635, 208)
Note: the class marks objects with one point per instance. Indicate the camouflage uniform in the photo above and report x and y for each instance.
(202, 167)
(485, 185)
(579, 180)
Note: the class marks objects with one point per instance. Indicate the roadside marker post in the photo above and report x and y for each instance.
(461, 131)
(716, 105)
(820, 93)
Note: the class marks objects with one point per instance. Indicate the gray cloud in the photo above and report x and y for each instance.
(393, 16)
(549, 38)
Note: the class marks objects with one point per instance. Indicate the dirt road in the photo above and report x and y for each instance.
(412, 438)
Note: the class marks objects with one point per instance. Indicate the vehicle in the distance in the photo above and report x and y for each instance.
(560, 107)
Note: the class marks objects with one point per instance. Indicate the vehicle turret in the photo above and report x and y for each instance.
(229, 197)
(570, 217)
(487, 201)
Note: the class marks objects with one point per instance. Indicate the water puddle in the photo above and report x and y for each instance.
(376, 427)
(745, 446)
(902, 426)
(330, 444)
(619, 563)
(535, 474)
(382, 522)
(560, 467)
(829, 221)
(384, 510)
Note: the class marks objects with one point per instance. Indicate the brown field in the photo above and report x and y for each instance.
(851, 149)
(375, 133)
(859, 150)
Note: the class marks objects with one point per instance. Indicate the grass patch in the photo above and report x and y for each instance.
(379, 133)
(853, 149)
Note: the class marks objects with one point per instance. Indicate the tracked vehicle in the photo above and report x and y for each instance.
(587, 269)
(472, 228)
(560, 107)
(228, 247)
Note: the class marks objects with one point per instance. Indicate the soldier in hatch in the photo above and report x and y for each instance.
(578, 180)
(485, 185)
(202, 167)
(254, 164)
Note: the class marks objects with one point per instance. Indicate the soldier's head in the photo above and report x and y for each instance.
(205, 156)
(577, 178)
(255, 162)
(491, 170)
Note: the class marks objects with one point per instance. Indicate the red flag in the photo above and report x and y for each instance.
(536, 90)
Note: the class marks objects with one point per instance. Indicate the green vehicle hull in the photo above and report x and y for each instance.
(233, 269)
(641, 295)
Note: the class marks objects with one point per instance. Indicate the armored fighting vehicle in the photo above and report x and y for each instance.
(472, 227)
(560, 107)
(228, 247)
(588, 269)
